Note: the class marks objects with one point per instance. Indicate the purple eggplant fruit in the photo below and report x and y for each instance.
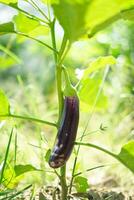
(67, 132)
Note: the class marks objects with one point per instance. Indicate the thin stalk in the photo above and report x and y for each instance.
(39, 41)
(52, 27)
(83, 134)
(28, 118)
(15, 149)
(98, 148)
(32, 16)
(18, 193)
(63, 182)
(90, 133)
(63, 45)
(60, 93)
(58, 71)
(6, 156)
(64, 54)
(88, 170)
(10, 53)
(39, 9)
(48, 8)
(60, 101)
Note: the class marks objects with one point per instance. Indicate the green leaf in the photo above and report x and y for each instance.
(71, 15)
(4, 104)
(90, 85)
(29, 26)
(39, 31)
(88, 91)
(25, 24)
(10, 180)
(21, 169)
(69, 90)
(47, 156)
(126, 156)
(99, 63)
(6, 28)
(8, 1)
(81, 184)
(80, 18)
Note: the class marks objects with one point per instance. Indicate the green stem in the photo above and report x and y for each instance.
(60, 94)
(39, 41)
(18, 193)
(63, 182)
(27, 14)
(88, 170)
(60, 100)
(58, 71)
(29, 119)
(63, 45)
(6, 156)
(39, 9)
(98, 148)
(52, 27)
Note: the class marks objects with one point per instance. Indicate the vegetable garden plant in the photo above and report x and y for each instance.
(79, 19)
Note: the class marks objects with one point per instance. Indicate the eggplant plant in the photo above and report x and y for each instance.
(79, 20)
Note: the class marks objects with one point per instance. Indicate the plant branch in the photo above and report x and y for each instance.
(6, 156)
(98, 148)
(63, 45)
(28, 118)
(26, 13)
(39, 41)
(88, 170)
(60, 101)
(63, 182)
(39, 9)
(58, 71)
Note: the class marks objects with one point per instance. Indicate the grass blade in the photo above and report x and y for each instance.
(6, 156)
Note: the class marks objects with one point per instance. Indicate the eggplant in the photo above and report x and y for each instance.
(66, 133)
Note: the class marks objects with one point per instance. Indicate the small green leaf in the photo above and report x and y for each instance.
(6, 28)
(10, 180)
(81, 184)
(69, 90)
(39, 31)
(126, 156)
(88, 90)
(21, 169)
(90, 85)
(4, 104)
(25, 24)
(47, 156)
(98, 64)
